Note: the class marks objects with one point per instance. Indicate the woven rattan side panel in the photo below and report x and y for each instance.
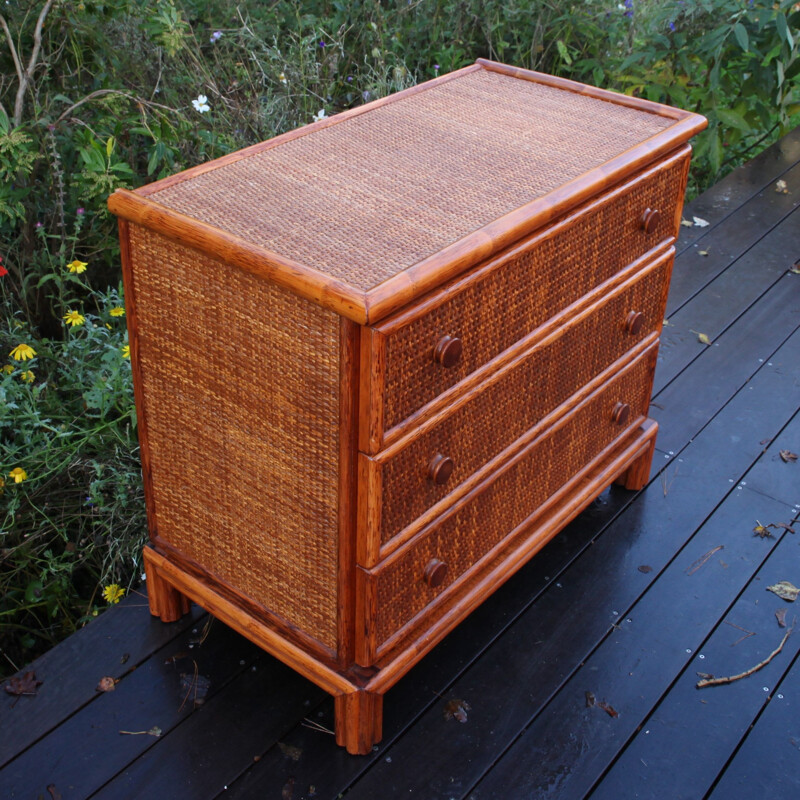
(491, 314)
(240, 381)
(508, 407)
(471, 531)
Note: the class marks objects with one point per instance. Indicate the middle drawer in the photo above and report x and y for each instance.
(436, 463)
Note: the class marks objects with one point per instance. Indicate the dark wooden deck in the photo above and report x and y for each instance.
(626, 604)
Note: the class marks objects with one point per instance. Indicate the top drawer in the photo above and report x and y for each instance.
(405, 358)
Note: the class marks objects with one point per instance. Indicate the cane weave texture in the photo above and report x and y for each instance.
(241, 400)
(491, 314)
(371, 195)
(506, 408)
(465, 536)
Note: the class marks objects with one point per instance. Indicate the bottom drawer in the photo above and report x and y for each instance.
(410, 580)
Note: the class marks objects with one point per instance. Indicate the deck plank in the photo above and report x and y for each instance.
(713, 719)
(87, 750)
(736, 188)
(114, 644)
(725, 299)
(730, 239)
(572, 744)
(766, 763)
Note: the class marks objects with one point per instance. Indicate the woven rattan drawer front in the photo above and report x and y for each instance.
(514, 399)
(473, 527)
(506, 299)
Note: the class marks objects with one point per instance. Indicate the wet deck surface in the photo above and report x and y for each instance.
(634, 599)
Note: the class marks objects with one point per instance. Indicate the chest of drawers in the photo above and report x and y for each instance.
(381, 360)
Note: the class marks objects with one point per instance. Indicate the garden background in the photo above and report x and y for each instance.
(95, 95)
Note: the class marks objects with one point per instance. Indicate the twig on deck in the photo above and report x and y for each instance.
(731, 678)
(747, 633)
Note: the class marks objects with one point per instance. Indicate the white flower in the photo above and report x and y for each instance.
(201, 104)
(282, 78)
(320, 115)
(215, 36)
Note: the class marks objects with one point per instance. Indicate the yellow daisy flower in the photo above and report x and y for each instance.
(27, 376)
(126, 351)
(18, 474)
(113, 593)
(74, 318)
(8, 369)
(77, 266)
(22, 352)
(117, 311)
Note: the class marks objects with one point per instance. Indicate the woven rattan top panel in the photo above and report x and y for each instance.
(365, 198)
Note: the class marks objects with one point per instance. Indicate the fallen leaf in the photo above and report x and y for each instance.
(290, 751)
(106, 684)
(783, 526)
(687, 222)
(702, 252)
(288, 790)
(702, 560)
(701, 223)
(780, 615)
(53, 792)
(703, 339)
(707, 676)
(608, 709)
(590, 701)
(762, 531)
(124, 659)
(781, 188)
(457, 709)
(645, 568)
(196, 687)
(787, 456)
(26, 685)
(784, 590)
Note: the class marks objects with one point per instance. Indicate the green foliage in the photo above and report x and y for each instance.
(109, 93)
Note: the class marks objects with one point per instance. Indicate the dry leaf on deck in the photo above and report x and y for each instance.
(781, 188)
(701, 223)
(457, 709)
(608, 709)
(688, 223)
(784, 590)
(23, 685)
(106, 684)
(702, 252)
(787, 456)
(780, 615)
(763, 531)
(645, 568)
(290, 751)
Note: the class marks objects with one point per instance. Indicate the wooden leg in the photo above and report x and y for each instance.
(359, 721)
(165, 601)
(638, 473)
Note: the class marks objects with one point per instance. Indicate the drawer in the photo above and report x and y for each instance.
(416, 355)
(431, 464)
(398, 588)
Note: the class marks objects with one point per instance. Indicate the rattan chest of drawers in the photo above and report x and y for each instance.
(381, 360)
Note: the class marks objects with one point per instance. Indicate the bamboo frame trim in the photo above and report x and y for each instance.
(256, 631)
(389, 296)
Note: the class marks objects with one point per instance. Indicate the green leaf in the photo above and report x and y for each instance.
(740, 32)
(793, 70)
(783, 29)
(732, 119)
(563, 52)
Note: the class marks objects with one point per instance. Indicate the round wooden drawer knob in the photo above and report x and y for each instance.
(634, 322)
(447, 351)
(435, 573)
(621, 413)
(650, 219)
(440, 469)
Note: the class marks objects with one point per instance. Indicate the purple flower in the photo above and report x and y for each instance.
(672, 26)
(366, 96)
(39, 225)
(321, 43)
(436, 67)
(349, 78)
(215, 36)
(80, 210)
